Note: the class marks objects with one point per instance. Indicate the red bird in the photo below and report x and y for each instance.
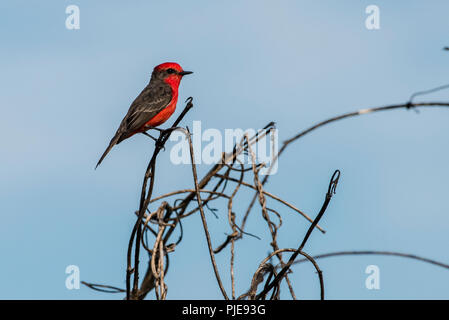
(154, 105)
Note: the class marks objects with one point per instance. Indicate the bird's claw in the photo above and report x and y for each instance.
(160, 145)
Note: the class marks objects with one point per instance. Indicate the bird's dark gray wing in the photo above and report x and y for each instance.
(152, 100)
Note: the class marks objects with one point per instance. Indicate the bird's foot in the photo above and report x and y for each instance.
(160, 145)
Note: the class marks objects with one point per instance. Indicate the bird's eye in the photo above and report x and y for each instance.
(170, 71)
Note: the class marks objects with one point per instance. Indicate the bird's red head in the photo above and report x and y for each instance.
(170, 72)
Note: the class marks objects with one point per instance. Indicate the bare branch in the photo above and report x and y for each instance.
(374, 252)
(203, 218)
(331, 190)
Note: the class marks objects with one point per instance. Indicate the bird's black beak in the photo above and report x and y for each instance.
(183, 73)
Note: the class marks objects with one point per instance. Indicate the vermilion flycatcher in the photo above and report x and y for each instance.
(154, 105)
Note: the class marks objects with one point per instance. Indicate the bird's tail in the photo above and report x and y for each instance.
(113, 142)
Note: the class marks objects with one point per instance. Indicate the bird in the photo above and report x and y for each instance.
(153, 106)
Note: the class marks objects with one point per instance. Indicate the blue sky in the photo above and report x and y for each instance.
(64, 93)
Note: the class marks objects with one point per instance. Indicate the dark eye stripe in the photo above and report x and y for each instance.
(171, 70)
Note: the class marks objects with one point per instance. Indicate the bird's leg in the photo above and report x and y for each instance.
(155, 140)
(149, 135)
(164, 131)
